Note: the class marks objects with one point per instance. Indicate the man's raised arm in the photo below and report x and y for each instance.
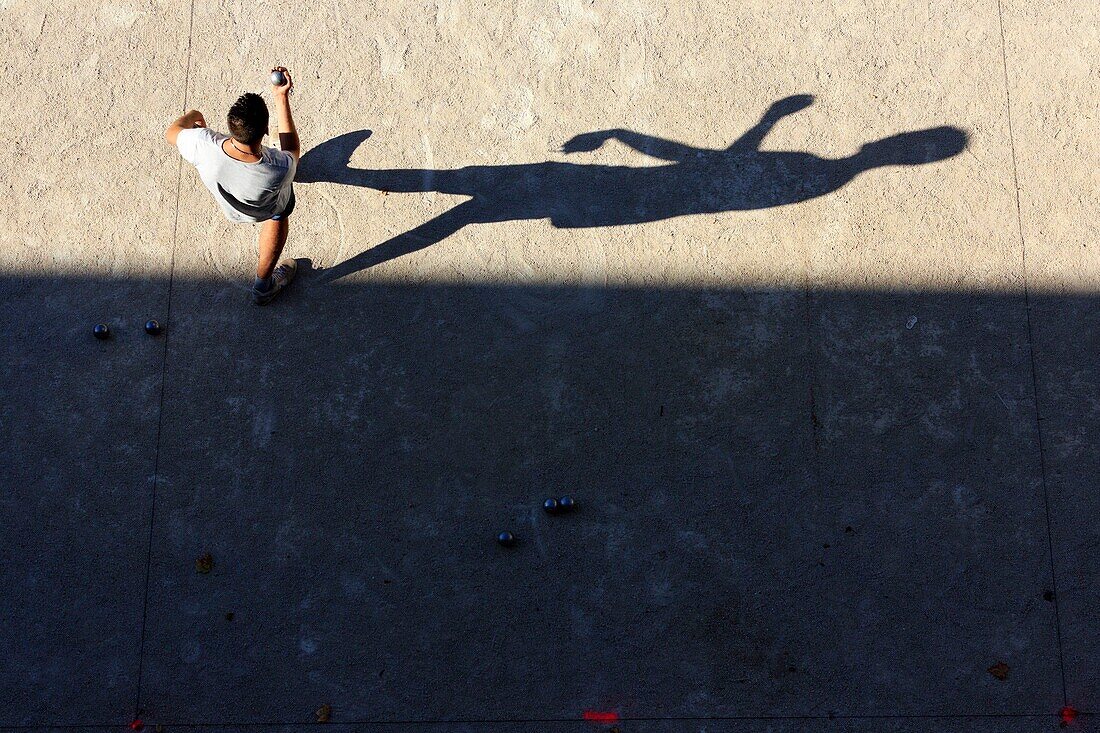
(189, 120)
(288, 133)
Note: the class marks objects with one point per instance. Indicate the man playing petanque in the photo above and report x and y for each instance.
(252, 183)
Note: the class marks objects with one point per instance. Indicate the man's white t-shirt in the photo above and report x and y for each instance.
(247, 192)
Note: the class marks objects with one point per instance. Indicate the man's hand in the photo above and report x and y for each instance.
(282, 90)
(190, 120)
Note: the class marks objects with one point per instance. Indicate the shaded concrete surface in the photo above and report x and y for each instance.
(930, 725)
(366, 443)
(789, 504)
(1068, 396)
(79, 431)
(726, 392)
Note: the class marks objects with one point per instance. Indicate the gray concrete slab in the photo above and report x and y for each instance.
(1051, 69)
(457, 434)
(89, 185)
(364, 444)
(464, 85)
(86, 188)
(78, 427)
(1066, 343)
(926, 440)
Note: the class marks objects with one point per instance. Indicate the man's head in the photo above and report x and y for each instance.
(248, 119)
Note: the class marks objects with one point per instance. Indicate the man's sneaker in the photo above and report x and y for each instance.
(280, 278)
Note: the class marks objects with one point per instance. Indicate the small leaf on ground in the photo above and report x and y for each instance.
(324, 714)
(999, 670)
(205, 563)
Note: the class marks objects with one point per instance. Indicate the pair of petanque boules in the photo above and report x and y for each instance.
(102, 332)
(559, 506)
(562, 505)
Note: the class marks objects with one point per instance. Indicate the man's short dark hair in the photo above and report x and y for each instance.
(248, 119)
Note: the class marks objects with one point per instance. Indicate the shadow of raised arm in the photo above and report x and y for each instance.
(752, 137)
(328, 162)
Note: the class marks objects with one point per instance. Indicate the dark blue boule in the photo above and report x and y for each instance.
(152, 328)
(566, 504)
(101, 331)
(551, 506)
(278, 78)
(506, 539)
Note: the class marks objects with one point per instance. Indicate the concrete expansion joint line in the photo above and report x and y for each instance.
(1031, 359)
(163, 381)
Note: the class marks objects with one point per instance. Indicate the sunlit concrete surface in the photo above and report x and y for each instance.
(822, 373)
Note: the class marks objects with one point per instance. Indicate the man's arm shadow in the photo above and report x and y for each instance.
(329, 162)
(672, 151)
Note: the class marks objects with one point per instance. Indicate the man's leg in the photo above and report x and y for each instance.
(273, 235)
(272, 275)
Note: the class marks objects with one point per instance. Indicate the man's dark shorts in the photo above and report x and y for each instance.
(288, 209)
(257, 213)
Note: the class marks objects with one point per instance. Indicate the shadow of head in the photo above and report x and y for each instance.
(914, 148)
(328, 160)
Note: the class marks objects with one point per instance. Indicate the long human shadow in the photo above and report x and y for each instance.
(695, 180)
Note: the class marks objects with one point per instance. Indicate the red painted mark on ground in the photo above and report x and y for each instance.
(601, 716)
(1068, 715)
